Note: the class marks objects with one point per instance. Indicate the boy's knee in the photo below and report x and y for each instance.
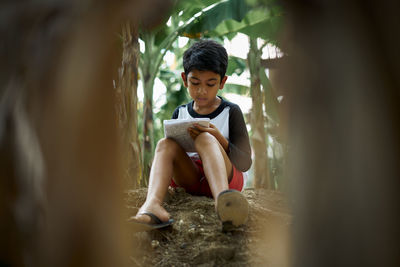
(166, 143)
(204, 139)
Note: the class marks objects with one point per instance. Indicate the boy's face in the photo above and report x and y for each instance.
(203, 86)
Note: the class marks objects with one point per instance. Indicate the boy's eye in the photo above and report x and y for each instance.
(211, 85)
(195, 83)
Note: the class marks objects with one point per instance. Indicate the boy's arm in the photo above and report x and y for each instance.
(239, 143)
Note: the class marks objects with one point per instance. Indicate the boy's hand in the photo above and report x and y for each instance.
(198, 129)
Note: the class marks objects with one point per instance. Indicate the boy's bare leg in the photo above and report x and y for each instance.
(217, 166)
(232, 208)
(170, 160)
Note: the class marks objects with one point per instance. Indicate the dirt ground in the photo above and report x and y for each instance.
(196, 237)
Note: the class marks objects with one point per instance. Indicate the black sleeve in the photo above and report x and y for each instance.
(239, 144)
(175, 114)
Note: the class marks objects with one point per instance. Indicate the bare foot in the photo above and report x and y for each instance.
(154, 208)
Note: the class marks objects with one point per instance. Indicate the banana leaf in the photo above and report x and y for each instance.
(190, 7)
(236, 65)
(212, 17)
(260, 22)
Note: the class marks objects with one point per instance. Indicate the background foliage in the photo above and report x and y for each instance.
(223, 20)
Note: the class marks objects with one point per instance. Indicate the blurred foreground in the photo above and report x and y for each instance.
(343, 128)
(61, 188)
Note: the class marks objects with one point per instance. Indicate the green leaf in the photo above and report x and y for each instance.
(190, 7)
(258, 3)
(262, 22)
(251, 18)
(267, 30)
(212, 17)
(161, 34)
(235, 65)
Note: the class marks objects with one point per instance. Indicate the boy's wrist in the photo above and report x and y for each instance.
(224, 142)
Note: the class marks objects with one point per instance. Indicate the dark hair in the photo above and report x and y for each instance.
(206, 55)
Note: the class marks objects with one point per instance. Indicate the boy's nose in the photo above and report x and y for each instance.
(201, 90)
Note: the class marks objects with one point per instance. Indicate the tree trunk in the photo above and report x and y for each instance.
(148, 137)
(258, 137)
(149, 71)
(127, 106)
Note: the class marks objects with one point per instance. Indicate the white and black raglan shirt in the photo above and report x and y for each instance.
(228, 118)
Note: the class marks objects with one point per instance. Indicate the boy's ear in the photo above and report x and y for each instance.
(184, 78)
(223, 81)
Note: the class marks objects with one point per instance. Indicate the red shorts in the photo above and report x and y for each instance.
(201, 188)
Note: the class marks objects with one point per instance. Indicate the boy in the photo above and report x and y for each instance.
(223, 148)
